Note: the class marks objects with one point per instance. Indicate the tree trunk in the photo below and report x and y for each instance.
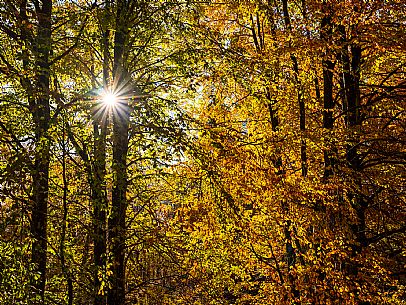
(351, 67)
(99, 192)
(65, 270)
(328, 101)
(99, 199)
(290, 250)
(41, 115)
(117, 229)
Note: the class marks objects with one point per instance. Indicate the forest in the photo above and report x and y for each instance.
(202, 152)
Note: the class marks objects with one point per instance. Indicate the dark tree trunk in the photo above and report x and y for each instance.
(117, 230)
(328, 101)
(95, 170)
(116, 223)
(351, 67)
(351, 75)
(290, 250)
(41, 115)
(99, 192)
(99, 199)
(40, 207)
(65, 270)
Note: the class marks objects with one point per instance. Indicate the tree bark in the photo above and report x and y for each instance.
(328, 101)
(99, 192)
(116, 223)
(290, 250)
(65, 270)
(40, 109)
(351, 65)
(99, 199)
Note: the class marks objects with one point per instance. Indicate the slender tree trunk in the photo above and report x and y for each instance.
(41, 115)
(96, 177)
(328, 101)
(300, 100)
(99, 199)
(351, 64)
(290, 250)
(40, 206)
(117, 229)
(99, 192)
(65, 270)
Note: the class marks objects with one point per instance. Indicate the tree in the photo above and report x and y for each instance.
(34, 37)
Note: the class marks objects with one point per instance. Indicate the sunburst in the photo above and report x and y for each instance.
(109, 99)
(113, 101)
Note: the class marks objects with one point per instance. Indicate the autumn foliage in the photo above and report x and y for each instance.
(258, 156)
